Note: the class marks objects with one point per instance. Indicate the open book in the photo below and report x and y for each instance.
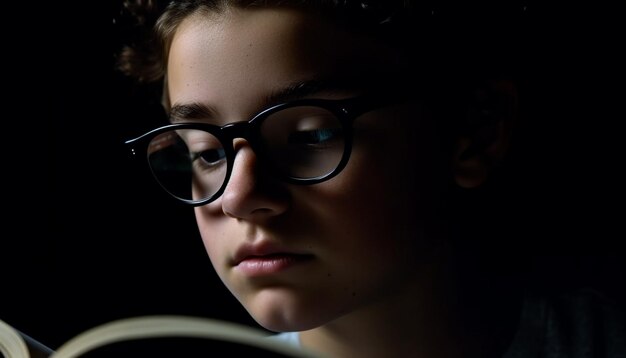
(177, 336)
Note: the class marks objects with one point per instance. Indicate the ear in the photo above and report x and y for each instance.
(486, 132)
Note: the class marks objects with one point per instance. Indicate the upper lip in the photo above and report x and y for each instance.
(260, 249)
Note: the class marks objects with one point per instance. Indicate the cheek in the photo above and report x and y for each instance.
(213, 238)
(372, 216)
(385, 217)
(391, 187)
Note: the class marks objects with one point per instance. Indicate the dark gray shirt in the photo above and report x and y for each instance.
(584, 323)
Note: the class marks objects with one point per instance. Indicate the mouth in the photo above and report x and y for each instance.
(254, 266)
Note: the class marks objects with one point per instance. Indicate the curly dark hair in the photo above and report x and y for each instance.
(476, 30)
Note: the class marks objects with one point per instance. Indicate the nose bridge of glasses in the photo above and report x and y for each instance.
(236, 130)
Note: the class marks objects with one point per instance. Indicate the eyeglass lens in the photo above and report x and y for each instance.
(301, 142)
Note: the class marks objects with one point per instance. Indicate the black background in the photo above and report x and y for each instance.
(89, 238)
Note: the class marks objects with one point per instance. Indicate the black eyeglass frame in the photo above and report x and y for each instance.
(346, 110)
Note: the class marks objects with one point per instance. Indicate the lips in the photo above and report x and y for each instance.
(264, 259)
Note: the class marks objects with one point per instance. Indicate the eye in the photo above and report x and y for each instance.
(209, 158)
(205, 149)
(319, 136)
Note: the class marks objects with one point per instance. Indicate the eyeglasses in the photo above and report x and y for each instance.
(306, 141)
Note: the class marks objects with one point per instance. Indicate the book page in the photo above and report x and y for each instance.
(11, 343)
(145, 327)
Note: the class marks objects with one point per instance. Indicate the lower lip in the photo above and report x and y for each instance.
(271, 264)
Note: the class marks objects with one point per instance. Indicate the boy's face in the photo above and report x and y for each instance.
(298, 256)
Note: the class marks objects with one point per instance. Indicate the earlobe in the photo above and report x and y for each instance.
(486, 134)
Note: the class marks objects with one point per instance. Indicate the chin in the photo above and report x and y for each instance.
(278, 313)
(282, 324)
(285, 320)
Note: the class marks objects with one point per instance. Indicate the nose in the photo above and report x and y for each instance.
(251, 194)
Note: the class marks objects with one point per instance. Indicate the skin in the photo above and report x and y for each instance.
(376, 267)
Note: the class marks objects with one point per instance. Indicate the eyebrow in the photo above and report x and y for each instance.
(304, 89)
(293, 91)
(191, 111)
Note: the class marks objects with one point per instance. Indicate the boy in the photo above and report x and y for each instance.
(337, 155)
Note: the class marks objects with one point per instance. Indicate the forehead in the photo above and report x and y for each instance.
(267, 48)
